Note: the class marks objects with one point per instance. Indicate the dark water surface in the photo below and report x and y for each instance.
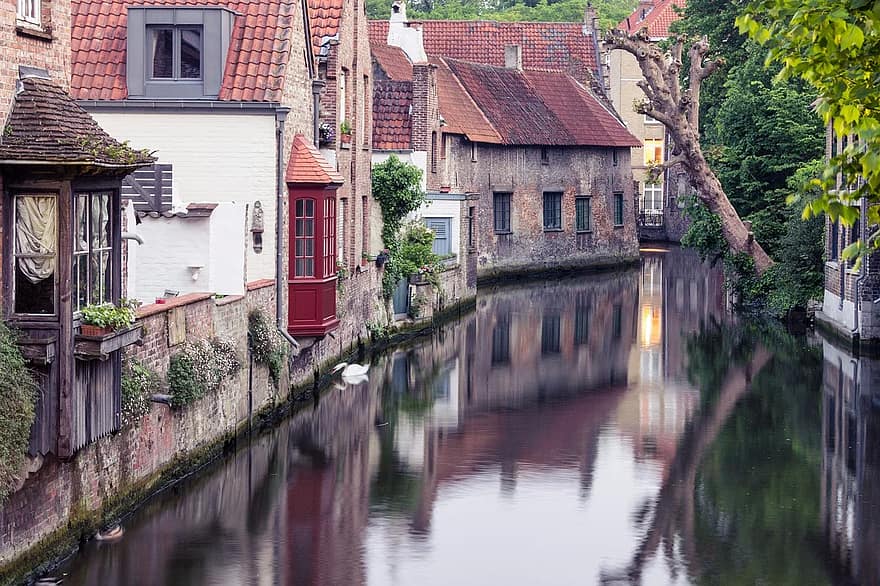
(616, 429)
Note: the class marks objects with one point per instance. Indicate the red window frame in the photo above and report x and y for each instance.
(305, 240)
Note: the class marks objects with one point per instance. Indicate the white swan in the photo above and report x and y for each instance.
(351, 370)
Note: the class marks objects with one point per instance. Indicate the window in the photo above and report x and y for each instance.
(341, 99)
(615, 157)
(35, 254)
(29, 11)
(653, 151)
(434, 152)
(441, 229)
(552, 210)
(652, 200)
(329, 236)
(92, 249)
(582, 324)
(175, 53)
(365, 225)
(473, 152)
(501, 203)
(470, 233)
(545, 156)
(343, 207)
(304, 265)
(582, 214)
(501, 341)
(649, 120)
(834, 240)
(550, 334)
(618, 209)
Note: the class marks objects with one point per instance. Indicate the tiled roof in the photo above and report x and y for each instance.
(461, 113)
(392, 120)
(46, 125)
(557, 46)
(307, 165)
(657, 20)
(538, 107)
(324, 18)
(255, 67)
(392, 60)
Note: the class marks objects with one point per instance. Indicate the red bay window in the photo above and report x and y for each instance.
(312, 185)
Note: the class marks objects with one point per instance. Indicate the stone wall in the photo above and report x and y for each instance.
(575, 171)
(60, 494)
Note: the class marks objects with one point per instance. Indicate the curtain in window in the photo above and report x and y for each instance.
(36, 234)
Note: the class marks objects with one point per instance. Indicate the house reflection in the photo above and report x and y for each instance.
(851, 462)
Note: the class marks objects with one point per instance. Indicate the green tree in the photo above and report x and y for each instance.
(835, 46)
(397, 188)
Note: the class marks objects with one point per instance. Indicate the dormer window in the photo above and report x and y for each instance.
(177, 53)
(29, 11)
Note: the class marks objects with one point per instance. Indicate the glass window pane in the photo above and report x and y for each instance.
(82, 221)
(300, 207)
(190, 54)
(308, 227)
(104, 267)
(309, 247)
(309, 267)
(162, 53)
(299, 228)
(310, 208)
(100, 221)
(36, 240)
(81, 281)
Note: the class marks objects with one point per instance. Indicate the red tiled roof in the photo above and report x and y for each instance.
(307, 165)
(538, 107)
(255, 67)
(324, 18)
(392, 120)
(459, 110)
(657, 20)
(392, 60)
(557, 46)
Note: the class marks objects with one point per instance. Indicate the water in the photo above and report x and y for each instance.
(616, 429)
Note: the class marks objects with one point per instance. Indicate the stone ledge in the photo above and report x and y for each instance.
(157, 308)
(261, 284)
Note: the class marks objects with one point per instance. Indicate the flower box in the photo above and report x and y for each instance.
(91, 347)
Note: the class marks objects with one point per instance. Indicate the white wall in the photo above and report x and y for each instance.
(417, 158)
(173, 245)
(216, 157)
(445, 209)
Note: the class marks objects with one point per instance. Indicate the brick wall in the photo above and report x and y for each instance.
(519, 170)
(116, 464)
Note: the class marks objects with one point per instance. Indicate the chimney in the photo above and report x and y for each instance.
(513, 57)
(425, 108)
(405, 35)
(590, 16)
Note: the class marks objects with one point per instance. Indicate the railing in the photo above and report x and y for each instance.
(651, 218)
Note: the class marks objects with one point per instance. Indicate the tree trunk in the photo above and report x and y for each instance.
(679, 111)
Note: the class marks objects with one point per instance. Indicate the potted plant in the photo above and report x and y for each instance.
(104, 318)
(345, 132)
(382, 258)
(326, 134)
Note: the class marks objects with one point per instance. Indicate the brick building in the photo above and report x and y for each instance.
(660, 216)
(342, 56)
(851, 304)
(545, 160)
(60, 234)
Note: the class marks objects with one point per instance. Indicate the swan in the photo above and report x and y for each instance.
(351, 370)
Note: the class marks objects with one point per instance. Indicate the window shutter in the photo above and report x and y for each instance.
(440, 227)
(149, 188)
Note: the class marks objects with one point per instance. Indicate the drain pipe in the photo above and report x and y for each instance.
(280, 289)
(863, 212)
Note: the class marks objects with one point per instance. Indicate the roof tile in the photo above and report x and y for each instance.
(98, 33)
(657, 20)
(392, 101)
(307, 165)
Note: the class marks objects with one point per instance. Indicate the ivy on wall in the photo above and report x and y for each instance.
(266, 344)
(18, 393)
(200, 368)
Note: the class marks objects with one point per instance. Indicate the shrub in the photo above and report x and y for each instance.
(138, 385)
(200, 368)
(266, 344)
(18, 393)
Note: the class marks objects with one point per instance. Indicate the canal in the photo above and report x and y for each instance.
(616, 429)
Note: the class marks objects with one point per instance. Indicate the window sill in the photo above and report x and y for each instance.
(345, 145)
(503, 232)
(34, 31)
(583, 231)
(553, 230)
(618, 226)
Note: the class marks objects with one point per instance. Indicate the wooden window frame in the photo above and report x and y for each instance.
(618, 206)
(555, 198)
(579, 226)
(30, 12)
(13, 256)
(505, 211)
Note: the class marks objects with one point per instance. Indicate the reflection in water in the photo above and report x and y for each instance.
(614, 428)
